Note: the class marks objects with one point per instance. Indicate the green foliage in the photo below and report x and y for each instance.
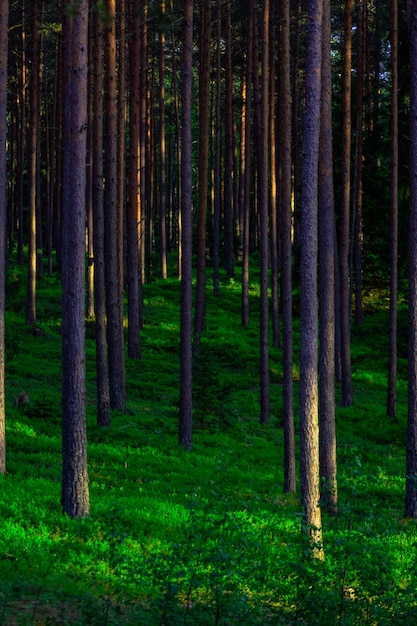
(206, 537)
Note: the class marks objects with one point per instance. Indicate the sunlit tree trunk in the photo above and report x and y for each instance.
(186, 401)
(21, 140)
(203, 160)
(411, 446)
(75, 494)
(285, 160)
(327, 234)
(4, 14)
(392, 337)
(347, 388)
(309, 431)
(275, 225)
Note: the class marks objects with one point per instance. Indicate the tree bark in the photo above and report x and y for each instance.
(411, 446)
(186, 400)
(392, 334)
(327, 233)
(4, 15)
(75, 495)
(309, 431)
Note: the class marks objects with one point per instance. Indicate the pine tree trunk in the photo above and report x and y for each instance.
(4, 14)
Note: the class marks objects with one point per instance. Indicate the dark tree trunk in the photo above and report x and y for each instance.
(114, 290)
(263, 180)
(411, 447)
(392, 336)
(203, 159)
(75, 495)
(4, 14)
(347, 388)
(103, 392)
(186, 401)
(133, 217)
(286, 247)
(228, 156)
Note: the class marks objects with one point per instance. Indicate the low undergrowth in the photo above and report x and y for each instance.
(206, 537)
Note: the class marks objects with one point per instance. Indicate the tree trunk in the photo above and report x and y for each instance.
(203, 160)
(347, 388)
(186, 402)
(392, 336)
(327, 232)
(163, 250)
(103, 392)
(228, 155)
(309, 431)
(33, 167)
(284, 156)
(115, 338)
(75, 495)
(4, 15)
(133, 218)
(411, 446)
(263, 223)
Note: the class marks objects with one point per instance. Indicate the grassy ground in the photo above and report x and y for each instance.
(206, 537)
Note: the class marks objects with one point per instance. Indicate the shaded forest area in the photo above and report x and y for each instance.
(265, 145)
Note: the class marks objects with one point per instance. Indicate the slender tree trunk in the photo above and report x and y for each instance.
(327, 233)
(347, 388)
(163, 250)
(285, 159)
(357, 229)
(203, 160)
(392, 337)
(263, 223)
(103, 391)
(75, 495)
(114, 301)
(309, 431)
(218, 156)
(32, 168)
(411, 446)
(275, 225)
(246, 157)
(4, 15)
(21, 141)
(186, 402)
(228, 156)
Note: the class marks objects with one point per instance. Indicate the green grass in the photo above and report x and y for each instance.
(206, 537)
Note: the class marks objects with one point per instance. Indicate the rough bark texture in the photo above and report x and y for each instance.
(103, 392)
(133, 217)
(75, 495)
(411, 447)
(186, 403)
(4, 13)
(263, 224)
(115, 335)
(286, 248)
(347, 388)
(327, 232)
(309, 431)
(392, 333)
(203, 159)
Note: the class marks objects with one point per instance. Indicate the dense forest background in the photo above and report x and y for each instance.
(267, 146)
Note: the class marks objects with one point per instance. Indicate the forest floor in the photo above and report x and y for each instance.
(206, 537)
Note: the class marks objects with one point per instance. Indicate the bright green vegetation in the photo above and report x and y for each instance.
(206, 537)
